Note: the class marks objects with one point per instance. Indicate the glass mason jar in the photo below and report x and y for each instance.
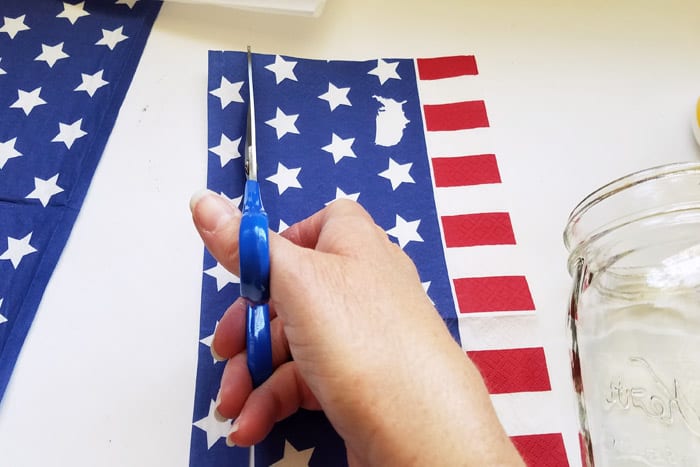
(634, 318)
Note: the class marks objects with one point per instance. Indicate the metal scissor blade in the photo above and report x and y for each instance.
(250, 156)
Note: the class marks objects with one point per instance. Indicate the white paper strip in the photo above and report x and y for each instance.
(293, 7)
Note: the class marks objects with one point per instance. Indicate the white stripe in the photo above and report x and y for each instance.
(459, 143)
(471, 199)
(495, 331)
(448, 90)
(527, 413)
(485, 261)
(499, 314)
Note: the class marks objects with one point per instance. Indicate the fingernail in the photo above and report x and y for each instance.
(217, 402)
(216, 356)
(218, 416)
(234, 428)
(197, 196)
(211, 211)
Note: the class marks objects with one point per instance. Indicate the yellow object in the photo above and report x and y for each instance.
(696, 122)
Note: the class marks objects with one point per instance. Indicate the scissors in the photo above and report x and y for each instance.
(254, 253)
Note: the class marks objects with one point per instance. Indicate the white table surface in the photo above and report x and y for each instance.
(577, 93)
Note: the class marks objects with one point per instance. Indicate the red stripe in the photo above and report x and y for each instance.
(446, 67)
(497, 293)
(512, 370)
(456, 116)
(546, 450)
(488, 228)
(584, 450)
(466, 170)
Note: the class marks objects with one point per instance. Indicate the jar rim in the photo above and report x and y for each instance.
(596, 197)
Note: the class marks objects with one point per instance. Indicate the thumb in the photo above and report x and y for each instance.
(217, 220)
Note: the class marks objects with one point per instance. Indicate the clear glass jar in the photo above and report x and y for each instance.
(634, 318)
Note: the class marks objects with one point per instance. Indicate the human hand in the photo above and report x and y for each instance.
(354, 334)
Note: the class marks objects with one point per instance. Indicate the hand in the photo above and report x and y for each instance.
(354, 334)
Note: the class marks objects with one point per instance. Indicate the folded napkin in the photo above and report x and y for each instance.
(64, 71)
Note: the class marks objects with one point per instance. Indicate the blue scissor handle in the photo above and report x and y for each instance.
(258, 343)
(254, 253)
(254, 247)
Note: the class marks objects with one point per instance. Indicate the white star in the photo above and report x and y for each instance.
(405, 232)
(129, 3)
(51, 54)
(426, 286)
(8, 151)
(340, 194)
(2, 318)
(340, 147)
(14, 25)
(285, 178)
(2, 72)
(398, 173)
(292, 457)
(67, 134)
(209, 339)
(282, 226)
(91, 83)
(282, 69)
(222, 275)
(227, 150)
(45, 189)
(283, 123)
(385, 71)
(228, 92)
(17, 249)
(336, 96)
(112, 38)
(212, 426)
(28, 100)
(73, 12)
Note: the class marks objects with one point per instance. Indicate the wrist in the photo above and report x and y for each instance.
(443, 416)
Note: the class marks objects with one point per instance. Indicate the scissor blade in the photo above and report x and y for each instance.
(251, 161)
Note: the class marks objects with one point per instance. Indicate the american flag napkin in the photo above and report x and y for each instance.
(408, 139)
(65, 68)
